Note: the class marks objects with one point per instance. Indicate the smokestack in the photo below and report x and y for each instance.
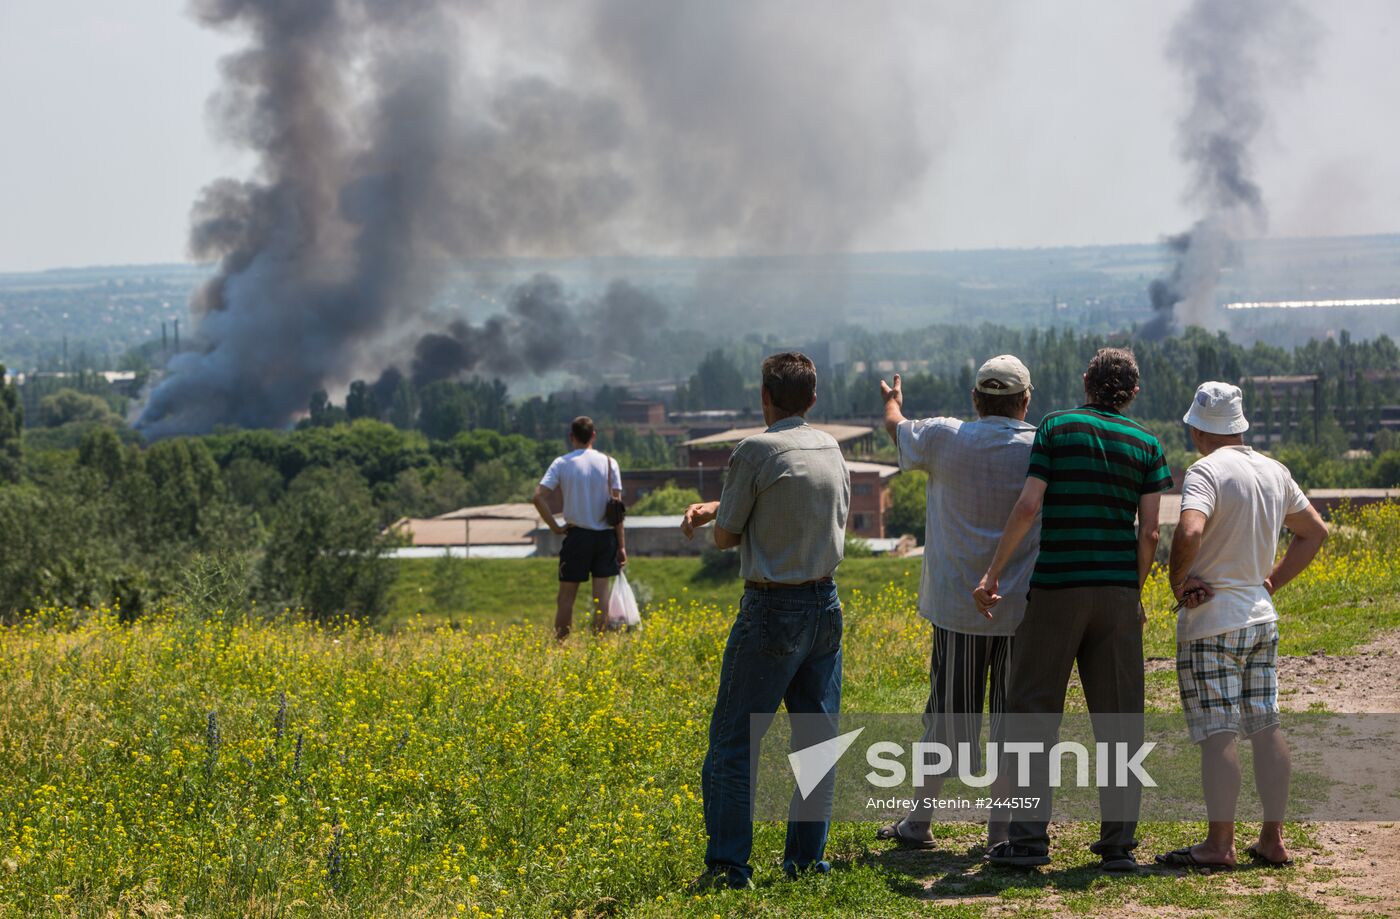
(1231, 53)
(177, 336)
(164, 345)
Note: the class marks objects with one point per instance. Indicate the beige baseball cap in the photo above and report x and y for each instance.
(1003, 375)
(1217, 409)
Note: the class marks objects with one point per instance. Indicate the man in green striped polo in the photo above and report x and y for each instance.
(1093, 473)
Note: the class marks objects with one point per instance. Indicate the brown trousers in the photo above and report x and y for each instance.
(1098, 628)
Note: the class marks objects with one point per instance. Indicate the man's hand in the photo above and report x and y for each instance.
(894, 406)
(697, 515)
(893, 393)
(555, 526)
(1269, 585)
(622, 556)
(985, 594)
(1192, 592)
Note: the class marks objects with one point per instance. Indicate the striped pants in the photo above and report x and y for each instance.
(960, 669)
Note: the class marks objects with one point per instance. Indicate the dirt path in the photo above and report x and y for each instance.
(1366, 681)
(1354, 867)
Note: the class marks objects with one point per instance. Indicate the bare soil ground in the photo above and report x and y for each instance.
(1355, 868)
(1348, 868)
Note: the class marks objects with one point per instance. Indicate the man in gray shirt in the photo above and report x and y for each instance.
(784, 504)
(975, 473)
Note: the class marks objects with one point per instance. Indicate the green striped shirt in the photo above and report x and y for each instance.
(1096, 464)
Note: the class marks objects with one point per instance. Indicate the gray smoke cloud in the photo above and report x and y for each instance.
(1232, 53)
(396, 138)
(540, 330)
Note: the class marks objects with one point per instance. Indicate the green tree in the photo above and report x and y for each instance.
(1385, 472)
(444, 410)
(253, 483)
(360, 401)
(403, 406)
(321, 412)
(11, 430)
(185, 483)
(666, 500)
(325, 550)
(60, 544)
(422, 492)
(908, 505)
(101, 451)
(68, 406)
(498, 482)
(717, 383)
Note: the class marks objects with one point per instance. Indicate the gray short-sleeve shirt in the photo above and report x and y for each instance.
(976, 470)
(787, 491)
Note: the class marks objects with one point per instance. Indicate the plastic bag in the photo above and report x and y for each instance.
(622, 605)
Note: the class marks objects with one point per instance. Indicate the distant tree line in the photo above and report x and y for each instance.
(297, 517)
(240, 517)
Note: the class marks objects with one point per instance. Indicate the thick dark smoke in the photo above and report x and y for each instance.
(540, 331)
(1232, 53)
(396, 138)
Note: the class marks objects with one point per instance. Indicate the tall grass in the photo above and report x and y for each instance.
(236, 768)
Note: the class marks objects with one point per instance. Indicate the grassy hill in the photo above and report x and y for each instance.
(180, 765)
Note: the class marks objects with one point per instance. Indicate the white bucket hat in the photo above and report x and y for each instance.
(1217, 409)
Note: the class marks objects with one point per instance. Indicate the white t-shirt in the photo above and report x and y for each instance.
(584, 476)
(1245, 496)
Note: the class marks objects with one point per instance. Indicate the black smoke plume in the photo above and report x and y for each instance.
(540, 331)
(1231, 54)
(394, 140)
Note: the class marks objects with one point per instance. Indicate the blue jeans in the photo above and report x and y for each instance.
(785, 646)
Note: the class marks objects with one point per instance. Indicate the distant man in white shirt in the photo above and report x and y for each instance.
(592, 549)
(1234, 503)
(976, 470)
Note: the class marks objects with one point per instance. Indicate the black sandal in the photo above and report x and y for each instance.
(895, 831)
(1010, 855)
(1183, 858)
(1260, 858)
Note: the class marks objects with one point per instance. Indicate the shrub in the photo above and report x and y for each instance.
(666, 500)
(325, 551)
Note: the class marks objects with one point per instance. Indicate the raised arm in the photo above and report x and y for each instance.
(1309, 533)
(894, 406)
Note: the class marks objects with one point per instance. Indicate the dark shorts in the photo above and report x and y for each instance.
(588, 553)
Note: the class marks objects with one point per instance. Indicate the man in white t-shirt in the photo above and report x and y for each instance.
(1234, 504)
(592, 549)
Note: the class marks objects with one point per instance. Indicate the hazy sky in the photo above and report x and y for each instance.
(1062, 134)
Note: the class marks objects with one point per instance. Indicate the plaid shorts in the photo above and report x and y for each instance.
(1229, 682)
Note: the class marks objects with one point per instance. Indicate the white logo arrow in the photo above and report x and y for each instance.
(812, 764)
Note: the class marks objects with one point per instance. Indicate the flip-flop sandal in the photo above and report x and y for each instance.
(895, 831)
(1182, 858)
(1261, 859)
